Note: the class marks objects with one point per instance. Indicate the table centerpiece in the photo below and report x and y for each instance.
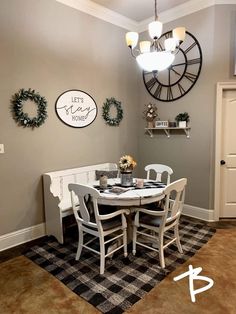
(127, 165)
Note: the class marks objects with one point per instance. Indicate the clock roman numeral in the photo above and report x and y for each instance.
(190, 47)
(168, 35)
(181, 89)
(193, 61)
(157, 92)
(190, 76)
(151, 83)
(161, 47)
(169, 93)
(177, 73)
(177, 65)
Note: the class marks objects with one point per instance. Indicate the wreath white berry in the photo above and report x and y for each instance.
(106, 111)
(21, 117)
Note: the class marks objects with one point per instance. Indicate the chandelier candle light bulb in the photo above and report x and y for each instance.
(131, 39)
(155, 29)
(145, 46)
(151, 56)
(179, 34)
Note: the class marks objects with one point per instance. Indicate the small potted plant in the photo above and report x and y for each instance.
(182, 118)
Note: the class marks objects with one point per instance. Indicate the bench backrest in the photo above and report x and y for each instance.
(59, 180)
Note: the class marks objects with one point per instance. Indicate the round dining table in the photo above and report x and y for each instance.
(131, 196)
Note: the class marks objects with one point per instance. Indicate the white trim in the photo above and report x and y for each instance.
(102, 13)
(12, 239)
(221, 86)
(105, 14)
(177, 12)
(198, 212)
(225, 1)
(21, 236)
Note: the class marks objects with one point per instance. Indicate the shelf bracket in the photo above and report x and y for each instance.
(167, 133)
(187, 132)
(150, 132)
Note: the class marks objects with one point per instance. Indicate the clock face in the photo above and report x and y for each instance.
(177, 80)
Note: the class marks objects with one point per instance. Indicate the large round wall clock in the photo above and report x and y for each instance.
(177, 80)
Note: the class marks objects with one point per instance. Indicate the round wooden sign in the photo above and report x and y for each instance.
(76, 108)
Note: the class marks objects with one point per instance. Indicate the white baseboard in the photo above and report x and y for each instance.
(12, 239)
(21, 236)
(198, 212)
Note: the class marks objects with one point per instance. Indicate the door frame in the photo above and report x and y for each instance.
(221, 87)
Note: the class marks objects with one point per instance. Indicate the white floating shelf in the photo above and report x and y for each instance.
(167, 130)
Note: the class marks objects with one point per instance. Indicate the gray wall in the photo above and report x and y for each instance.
(52, 48)
(194, 158)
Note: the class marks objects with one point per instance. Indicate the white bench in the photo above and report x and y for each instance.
(57, 199)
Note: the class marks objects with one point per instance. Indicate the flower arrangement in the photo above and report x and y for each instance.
(150, 112)
(127, 163)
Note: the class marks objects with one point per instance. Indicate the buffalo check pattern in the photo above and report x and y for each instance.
(126, 280)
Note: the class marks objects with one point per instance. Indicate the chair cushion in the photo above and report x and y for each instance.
(111, 223)
(108, 224)
(111, 174)
(151, 220)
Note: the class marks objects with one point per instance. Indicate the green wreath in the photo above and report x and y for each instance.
(106, 111)
(23, 118)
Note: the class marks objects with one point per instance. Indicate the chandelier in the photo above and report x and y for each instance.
(151, 55)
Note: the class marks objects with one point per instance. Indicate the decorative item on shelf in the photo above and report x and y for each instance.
(150, 114)
(108, 104)
(161, 124)
(153, 56)
(21, 117)
(182, 118)
(172, 124)
(126, 165)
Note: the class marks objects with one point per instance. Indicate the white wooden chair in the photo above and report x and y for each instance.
(159, 169)
(152, 225)
(99, 226)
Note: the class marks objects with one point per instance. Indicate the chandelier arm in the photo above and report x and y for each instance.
(177, 49)
(134, 52)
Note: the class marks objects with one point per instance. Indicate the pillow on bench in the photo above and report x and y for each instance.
(111, 174)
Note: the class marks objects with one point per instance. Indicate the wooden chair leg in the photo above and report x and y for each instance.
(80, 243)
(125, 242)
(102, 255)
(161, 250)
(134, 239)
(176, 230)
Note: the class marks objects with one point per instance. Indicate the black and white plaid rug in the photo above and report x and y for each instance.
(126, 280)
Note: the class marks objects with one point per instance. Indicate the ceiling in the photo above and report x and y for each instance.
(138, 10)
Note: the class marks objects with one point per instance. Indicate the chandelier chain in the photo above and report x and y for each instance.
(156, 16)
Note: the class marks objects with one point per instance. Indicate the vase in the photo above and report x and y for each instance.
(126, 178)
(182, 124)
(150, 124)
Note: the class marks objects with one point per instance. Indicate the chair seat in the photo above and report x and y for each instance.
(108, 224)
(111, 223)
(152, 220)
